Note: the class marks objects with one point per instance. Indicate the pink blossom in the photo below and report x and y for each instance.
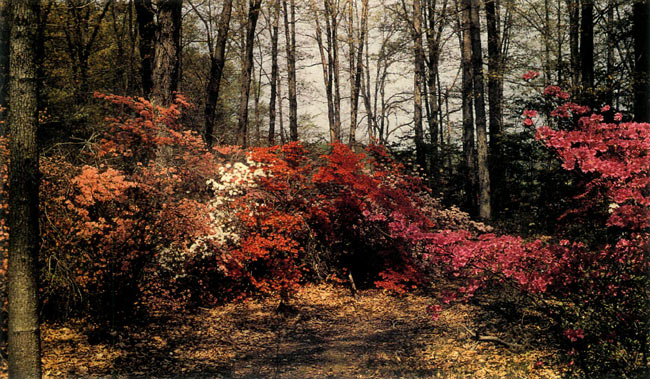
(530, 75)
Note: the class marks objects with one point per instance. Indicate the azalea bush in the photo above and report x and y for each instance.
(113, 226)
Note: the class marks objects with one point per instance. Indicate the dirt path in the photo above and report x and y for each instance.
(332, 335)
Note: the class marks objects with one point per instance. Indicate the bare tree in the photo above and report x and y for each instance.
(587, 48)
(274, 71)
(145, 17)
(217, 55)
(80, 35)
(247, 70)
(356, 72)
(335, 135)
(485, 210)
(418, 83)
(290, 37)
(469, 152)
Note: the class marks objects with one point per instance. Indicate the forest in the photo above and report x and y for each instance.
(333, 188)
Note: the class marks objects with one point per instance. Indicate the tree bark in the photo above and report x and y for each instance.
(587, 49)
(574, 39)
(495, 90)
(147, 30)
(327, 79)
(485, 209)
(418, 80)
(217, 62)
(433, 43)
(356, 83)
(167, 52)
(469, 153)
(247, 69)
(24, 335)
(331, 24)
(5, 18)
(274, 72)
(641, 60)
(290, 37)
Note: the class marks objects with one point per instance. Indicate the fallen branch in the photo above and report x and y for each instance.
(497, 340)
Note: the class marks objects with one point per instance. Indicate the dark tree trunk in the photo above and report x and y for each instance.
(418, 82)
(469, 152)
(642, 61)
(5, 18)
(147, 31)
(327, 78)
(495, 90)
(290, 36)
(217, 62)
(274, 72)
(433, 109)
(485, 210)
(24, 336)
(167, 52)
(247, 70)
(356, 85)
(574, 39)
(587, 49)
(331, 25)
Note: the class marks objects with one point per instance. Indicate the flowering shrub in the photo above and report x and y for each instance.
(113, 227)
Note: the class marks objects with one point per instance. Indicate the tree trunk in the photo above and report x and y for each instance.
(217, 62)
(642, 61)
(327, 79)
(574, 39)
(4, 61)
(356, 85)
(247, 69)
(24, 335)
(418, 81)
(167, 52)
(495, 89)
(147, 30)
(587, 49)
(274, 72)
(469, 153)
(290, 37)
(433, 44)
(485, 210)
(331, 23)
(280, 111)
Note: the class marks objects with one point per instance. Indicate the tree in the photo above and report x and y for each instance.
(167, 52)
(274, 71)
(495, 91)
(80, 38)
(217, 52)
(418, 83)
(24, 335)
(356, 72)
(335, 135)
(485, 210)
(434, 31)
(469, 151)
(641, 31)
(4, 58)
(247, 70)
(290, 38)
(147, 32)
(587, 49)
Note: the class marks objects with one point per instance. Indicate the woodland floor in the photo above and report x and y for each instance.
(333, 334)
